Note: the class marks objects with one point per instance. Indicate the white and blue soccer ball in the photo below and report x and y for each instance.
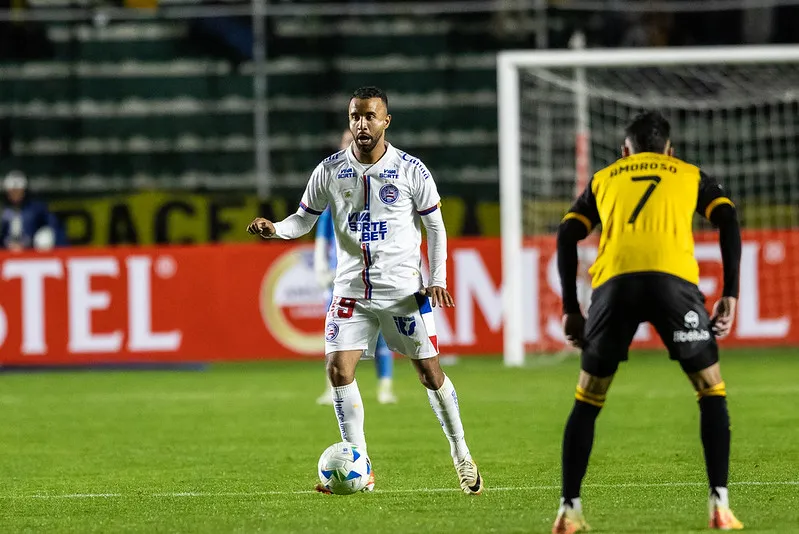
(343, 469)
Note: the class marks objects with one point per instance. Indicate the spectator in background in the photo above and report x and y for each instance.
(27, 223)
(649, 29)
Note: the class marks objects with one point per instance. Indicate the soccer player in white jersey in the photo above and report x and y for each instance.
(324, 263)
(379, 196)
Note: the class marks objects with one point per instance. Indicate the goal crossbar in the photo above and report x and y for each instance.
(642, 57)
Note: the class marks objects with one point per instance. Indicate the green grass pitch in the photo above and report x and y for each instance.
(234, 449)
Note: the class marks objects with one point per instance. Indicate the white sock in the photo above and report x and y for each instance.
(348, 406)
(721, 495)
(574, 504)
(444, 402)
(384, 383)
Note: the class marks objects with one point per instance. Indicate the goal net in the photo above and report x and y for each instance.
(734, 112)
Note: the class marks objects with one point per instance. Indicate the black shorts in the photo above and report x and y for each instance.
(675, 307)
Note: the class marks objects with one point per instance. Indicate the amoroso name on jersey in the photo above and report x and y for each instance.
(643, 166)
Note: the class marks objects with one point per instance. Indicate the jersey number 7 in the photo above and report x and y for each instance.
(648, 193)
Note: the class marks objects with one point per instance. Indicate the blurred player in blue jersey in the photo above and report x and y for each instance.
(325, 267)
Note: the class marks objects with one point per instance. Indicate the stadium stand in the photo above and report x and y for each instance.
(158, 104)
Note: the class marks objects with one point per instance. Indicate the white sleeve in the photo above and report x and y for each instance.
(425, 193)
(314, 202)
(436, 248)
(295, 225)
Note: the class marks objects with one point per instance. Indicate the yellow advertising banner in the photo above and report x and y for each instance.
(153, 218)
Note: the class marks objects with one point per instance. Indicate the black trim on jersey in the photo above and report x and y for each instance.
(570, 232)
(585, 205)
(709, 190)
(725, 218)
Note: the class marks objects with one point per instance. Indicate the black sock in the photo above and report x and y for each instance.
(578, 439)
(715, 424)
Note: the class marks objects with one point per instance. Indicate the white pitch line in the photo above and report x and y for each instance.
(68, 496)
(389, 491)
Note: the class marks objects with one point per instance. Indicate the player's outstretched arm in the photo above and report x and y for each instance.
(725, 218)
(437, 254)
(294, 226)
(570, 232)
(300, 223)
(262, 227)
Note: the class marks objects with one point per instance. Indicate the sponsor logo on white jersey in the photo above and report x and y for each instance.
(347, 172)
(361, 222)
(416, 163)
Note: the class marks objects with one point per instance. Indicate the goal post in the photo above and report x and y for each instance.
(734, 111)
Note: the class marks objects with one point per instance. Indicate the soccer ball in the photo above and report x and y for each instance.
(343, 469)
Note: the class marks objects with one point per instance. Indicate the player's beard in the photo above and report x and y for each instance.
(366, 145)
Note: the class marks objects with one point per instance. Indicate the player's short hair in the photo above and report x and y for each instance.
(649, 131)
(370, 91)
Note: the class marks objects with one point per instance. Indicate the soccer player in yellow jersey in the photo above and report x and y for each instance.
(645, 271)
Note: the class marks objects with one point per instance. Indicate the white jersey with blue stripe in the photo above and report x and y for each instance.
(376, 211)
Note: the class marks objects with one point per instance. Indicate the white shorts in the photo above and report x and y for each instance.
(407, 325)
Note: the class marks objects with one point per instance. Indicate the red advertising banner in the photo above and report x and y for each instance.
(230, 302)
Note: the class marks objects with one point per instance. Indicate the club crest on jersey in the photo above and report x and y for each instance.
(389, 174)
(349, 172)
(389, 194)
(331, 331)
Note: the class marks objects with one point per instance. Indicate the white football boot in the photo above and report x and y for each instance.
(469, 476)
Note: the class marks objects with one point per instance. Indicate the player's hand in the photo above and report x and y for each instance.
(574, 328)
(723, 316)
(262, 227)
(439, 296)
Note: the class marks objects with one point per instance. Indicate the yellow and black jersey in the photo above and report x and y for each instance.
(645, 204)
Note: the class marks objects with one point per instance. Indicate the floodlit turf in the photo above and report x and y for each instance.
(234, 449)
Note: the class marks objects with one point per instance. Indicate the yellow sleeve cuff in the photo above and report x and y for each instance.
(582, 218)
(717, 202)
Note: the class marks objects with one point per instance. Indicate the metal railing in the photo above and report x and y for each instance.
(337, 9)
(71, 10)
